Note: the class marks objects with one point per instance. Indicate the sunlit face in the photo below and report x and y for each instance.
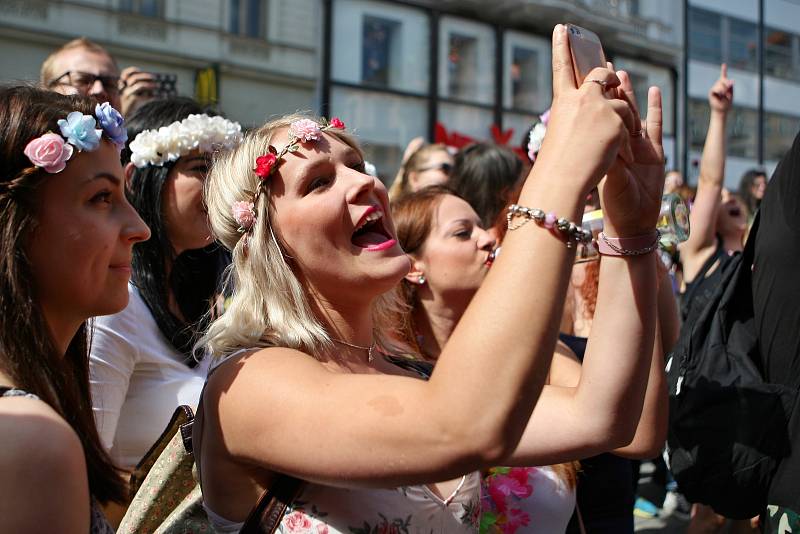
(80, 249)
(458, 252)
(185, 215)
(434, 171)
(334, 222)
(80, 60)
(732, 215)
(759, 186)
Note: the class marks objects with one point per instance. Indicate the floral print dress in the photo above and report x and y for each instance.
(525, 499)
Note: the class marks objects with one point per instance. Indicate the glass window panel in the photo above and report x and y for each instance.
(699, 113)
(381, 45)
(385, 124)
(643, 75)
(247, 18)
(743, 45)
(778, 56)
(743, 132)
(526, 73)
(705, 35)
(148, 8)
(466, 58)
(779, 133)
(467, 120)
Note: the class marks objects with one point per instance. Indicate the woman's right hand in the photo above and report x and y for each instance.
(587, 131)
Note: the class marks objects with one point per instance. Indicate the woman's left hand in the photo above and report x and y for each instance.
(631, 192)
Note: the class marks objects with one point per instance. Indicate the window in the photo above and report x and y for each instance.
(743, 132)
(526, 73)
(705, 35)
(383, 46)
(379, 50)
(779, 59)
(742, 45)
(466, 61)
(248, 18)
(779, 133)
(148, 8)
(699, 113)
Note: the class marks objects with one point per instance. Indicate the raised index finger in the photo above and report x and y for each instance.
(723, 71)
(563, 77)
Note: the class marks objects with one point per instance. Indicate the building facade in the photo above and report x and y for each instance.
(453, 70)
(257, 58)
(760, 42)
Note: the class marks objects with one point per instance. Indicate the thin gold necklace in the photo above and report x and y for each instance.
(369, 349)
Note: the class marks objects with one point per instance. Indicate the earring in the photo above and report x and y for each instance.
(421, 280)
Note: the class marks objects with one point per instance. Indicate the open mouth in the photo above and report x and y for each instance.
(734, 212)
(370, 233)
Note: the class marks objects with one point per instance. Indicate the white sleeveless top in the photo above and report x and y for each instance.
(413, 509)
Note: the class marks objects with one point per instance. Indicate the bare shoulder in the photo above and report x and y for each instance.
(258, 367)
(42, 461)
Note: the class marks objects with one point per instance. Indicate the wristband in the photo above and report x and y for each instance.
(628, 246)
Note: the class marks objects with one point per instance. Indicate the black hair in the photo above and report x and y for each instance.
(487, 176)
(194, 275)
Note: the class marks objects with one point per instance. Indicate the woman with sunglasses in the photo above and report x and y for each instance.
(427, 165)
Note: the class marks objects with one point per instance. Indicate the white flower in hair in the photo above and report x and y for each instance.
(168, 143)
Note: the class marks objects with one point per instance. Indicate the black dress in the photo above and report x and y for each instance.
(606, 482)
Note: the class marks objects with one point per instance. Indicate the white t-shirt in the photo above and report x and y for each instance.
(137, 380)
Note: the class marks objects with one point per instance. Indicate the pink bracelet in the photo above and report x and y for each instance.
(628, 246)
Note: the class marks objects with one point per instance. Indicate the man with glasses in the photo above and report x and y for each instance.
(84, 67)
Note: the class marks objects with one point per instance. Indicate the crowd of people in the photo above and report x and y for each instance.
(377, 345)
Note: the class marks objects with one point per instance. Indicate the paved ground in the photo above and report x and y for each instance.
(667, 525)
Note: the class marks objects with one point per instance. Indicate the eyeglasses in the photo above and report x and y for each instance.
(444, 167)
(83, 81)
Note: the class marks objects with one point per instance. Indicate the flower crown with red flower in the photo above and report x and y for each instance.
(300, 132)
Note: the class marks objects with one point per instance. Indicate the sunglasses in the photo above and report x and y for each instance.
(444, 167)
(84, 80)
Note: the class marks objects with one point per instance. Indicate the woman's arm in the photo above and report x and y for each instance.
(703, 217)
(603, 412)
(111, 364)
(368, 430)
(44, 486)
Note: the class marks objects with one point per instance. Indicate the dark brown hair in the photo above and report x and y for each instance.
(27, 350)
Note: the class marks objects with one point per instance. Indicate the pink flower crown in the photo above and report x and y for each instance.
(300, 131)
(51, 151)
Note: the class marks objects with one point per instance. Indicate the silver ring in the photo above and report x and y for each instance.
(601, 83)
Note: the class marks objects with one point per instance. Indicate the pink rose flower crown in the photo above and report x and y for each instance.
(51, 151)
(302, 131)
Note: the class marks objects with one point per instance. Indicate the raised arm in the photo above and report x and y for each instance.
(703, 217)
(603, 412)
(366, 430)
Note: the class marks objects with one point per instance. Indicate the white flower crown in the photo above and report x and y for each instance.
(168, 143)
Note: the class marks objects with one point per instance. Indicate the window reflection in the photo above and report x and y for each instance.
(779, 133)
(779, 58)
(705, 35)
(462, 66)
(380, 49)
(524, 78)
(743, 45)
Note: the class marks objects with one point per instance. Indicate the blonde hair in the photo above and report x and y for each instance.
(401, 185)
(46, 74)
(269, 305)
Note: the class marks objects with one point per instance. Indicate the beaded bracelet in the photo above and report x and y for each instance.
(571, 232)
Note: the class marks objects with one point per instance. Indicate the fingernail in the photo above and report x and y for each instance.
(558, 31)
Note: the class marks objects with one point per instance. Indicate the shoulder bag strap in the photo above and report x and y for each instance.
(268, 513)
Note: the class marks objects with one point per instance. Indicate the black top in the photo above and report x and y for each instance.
(700, 290)
(776, 303)
(605, 482)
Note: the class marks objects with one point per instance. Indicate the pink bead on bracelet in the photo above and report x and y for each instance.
(628, 246)
(569, 231)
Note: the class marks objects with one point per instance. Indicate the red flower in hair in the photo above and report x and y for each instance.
(337, 123)
(264, 165)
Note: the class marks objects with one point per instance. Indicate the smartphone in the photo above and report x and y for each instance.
(165, 85)
(586, 50)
